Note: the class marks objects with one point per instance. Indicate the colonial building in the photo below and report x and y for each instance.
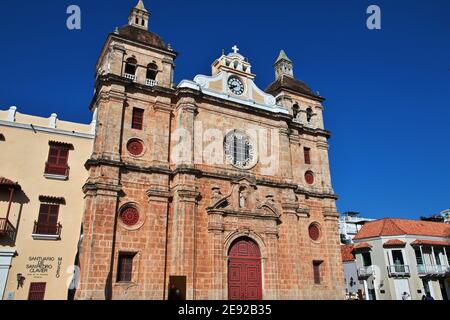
(353, 290)
(41, 203)
(395, 256)
(208, 189)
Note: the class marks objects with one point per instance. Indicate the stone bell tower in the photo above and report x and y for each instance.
(133, 77)
(139, 16)
(283, 66)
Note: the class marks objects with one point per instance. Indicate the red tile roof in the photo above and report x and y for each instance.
(394, 243)
(430, 242)
(394, 227)
(347, 253)
(362, 245)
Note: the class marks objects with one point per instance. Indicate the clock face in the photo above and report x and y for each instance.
(240, 150)
(236, 86)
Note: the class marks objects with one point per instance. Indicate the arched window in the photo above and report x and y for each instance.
(130, 68)
(309, 114)
(296, 110)
(152, 71)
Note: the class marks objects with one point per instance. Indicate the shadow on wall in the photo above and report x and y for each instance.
(19, 198)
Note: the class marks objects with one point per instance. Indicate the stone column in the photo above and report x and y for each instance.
(182, 259)
(285, 153)
(97, 251)
(336, 270)
(216, 229)
(110, 108)
(322, 149)
(156, 286)
(161, 126)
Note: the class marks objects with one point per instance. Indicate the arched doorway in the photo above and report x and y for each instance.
(244, 270)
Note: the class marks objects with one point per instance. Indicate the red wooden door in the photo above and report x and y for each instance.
(244, 271)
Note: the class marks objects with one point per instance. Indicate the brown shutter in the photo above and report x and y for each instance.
(48, 219)
(307, 152)
(138, 119)
(37, 291)
(316, 267)
(125, 268)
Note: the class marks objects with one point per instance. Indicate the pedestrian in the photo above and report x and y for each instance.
(429, 297)
(405, 296)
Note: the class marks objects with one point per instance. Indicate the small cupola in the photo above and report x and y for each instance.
(139, 16)
(283, 66)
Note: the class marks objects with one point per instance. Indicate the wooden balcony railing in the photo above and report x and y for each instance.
(6, 228)
(57, 169)
(47, 229)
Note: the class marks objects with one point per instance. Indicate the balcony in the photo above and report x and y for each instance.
(432, 270)
(131, 77)
(151, 83)
(366, 272)
(43, 231)
(6, 229)
(55, 171)
(399, 270)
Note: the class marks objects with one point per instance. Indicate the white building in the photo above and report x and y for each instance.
(349, 225)
(396, 256)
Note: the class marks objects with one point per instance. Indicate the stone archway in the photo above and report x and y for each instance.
(244, 270)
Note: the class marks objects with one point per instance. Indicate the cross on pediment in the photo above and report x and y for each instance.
(235, 49)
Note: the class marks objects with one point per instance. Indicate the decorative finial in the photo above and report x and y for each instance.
(169, 46)
(223, 52)
(116, 30)
(235, 49)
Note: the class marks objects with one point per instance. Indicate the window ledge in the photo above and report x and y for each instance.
(55, 177)
(53, 237)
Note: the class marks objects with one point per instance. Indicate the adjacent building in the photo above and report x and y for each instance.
(399, 258)
(208, 189)
(41, 203)
(349, 225)
(352, 284)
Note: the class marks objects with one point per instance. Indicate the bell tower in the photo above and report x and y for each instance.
(283, 66)
(139, 16)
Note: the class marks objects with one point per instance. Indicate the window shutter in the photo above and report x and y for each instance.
(307, 152)
(138, 119)
(316, 267)
(125, 270)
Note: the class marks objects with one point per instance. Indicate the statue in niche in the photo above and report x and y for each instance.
(242, 198)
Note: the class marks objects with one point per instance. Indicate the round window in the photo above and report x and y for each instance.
(309, 177)
(240, 150)
(314, 232)
(129, 216)
(135, 147)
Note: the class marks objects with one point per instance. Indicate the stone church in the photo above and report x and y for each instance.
(206, 189)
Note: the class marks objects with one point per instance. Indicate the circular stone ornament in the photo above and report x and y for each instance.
(314, 232)
(135, 147)
(129, 216)
(309, 177)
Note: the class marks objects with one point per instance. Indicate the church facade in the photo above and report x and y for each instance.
(208, 189)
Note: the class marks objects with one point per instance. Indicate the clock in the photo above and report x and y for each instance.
(235, 85)
(239, 150)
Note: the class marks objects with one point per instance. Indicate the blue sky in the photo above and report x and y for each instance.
(387, 91)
